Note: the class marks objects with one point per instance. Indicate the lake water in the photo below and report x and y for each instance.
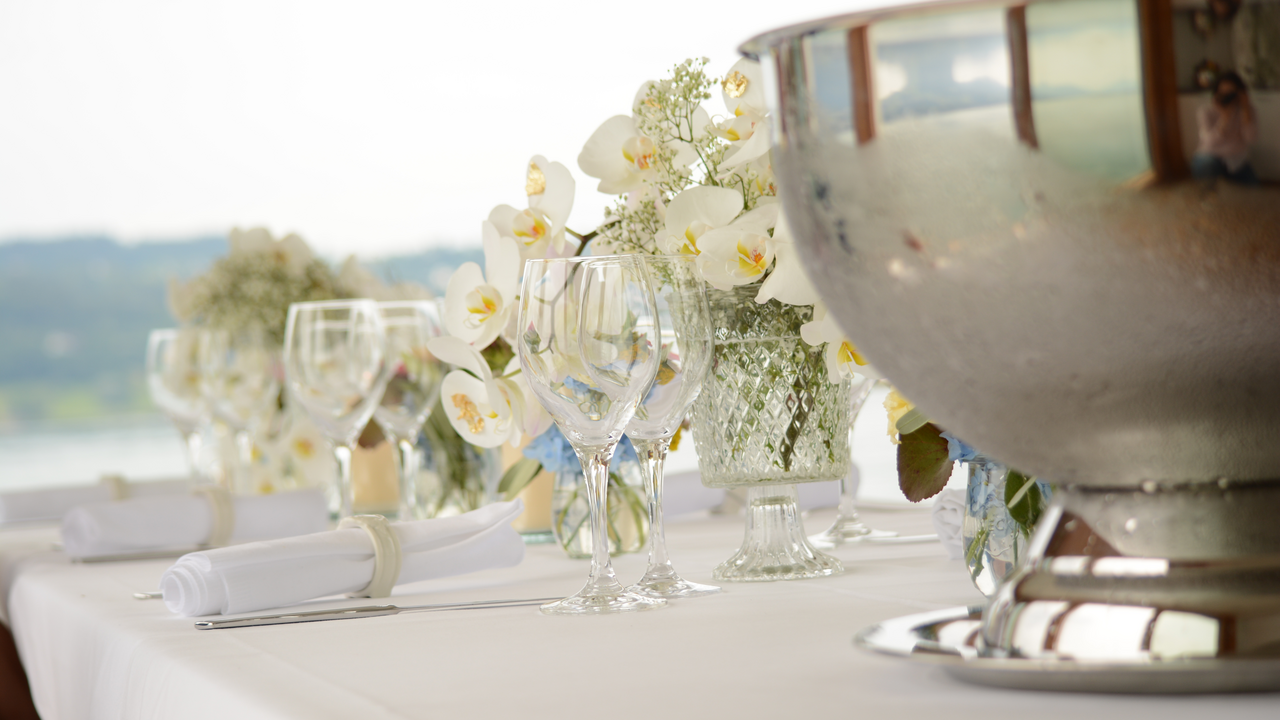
(149, 448)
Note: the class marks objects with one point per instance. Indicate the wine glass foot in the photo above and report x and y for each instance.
(671, 588)
(845, 532)
(596, 603)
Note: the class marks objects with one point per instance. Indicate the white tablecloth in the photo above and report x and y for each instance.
(769, 650)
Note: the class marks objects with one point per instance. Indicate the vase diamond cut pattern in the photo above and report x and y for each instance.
(768, 415)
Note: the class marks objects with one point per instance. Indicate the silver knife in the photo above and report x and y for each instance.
(361, 612)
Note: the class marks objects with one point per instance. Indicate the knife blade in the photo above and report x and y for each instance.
(360, 612)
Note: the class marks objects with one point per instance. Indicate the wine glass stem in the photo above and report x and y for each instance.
(241, 482)
(195, 442)
(602, 578)
(848, 491)
(342, 453)
(407, 458)
(653, 454)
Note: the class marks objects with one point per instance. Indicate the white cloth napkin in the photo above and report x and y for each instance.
(52, 504)
(182, 521)
(948, 521)
(276, 573)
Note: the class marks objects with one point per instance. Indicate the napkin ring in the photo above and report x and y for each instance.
(116, 487)
(224, 513)
(386, 554)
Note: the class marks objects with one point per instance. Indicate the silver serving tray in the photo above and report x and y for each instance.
(946, 638)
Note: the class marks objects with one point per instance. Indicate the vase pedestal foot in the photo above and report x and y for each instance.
(775, 547)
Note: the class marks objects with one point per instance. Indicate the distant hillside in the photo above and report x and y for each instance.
(75, 313)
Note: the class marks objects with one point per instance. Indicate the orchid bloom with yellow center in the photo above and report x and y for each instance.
(740, 252)
(479, 305)
(484, 410)
(482, 304)
(625, 161)
(638, 150)
(695, 212)
(528, 227)
(752, 259)
(843, 359)
(539, 229)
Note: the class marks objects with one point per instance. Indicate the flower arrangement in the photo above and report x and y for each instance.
(685, 182)
(927, 455)
(260, 276)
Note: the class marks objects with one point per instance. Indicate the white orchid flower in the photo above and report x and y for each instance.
(788, 282)
(740, 253)
(539, 230)
(484, 410)
(619, 157)
(842, 356)
(693, 213)
(743, 89)
(747, 127)
(479, 305)
(625, 161)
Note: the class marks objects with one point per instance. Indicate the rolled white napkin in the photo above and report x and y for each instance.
(182, 521)
(276, 573)
(948, 521)
(52, 504)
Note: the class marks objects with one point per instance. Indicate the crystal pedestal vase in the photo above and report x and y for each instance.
(768, 418)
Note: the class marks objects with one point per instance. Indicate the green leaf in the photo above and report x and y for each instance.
(1023, 498)
(923, 467)
(518, 476)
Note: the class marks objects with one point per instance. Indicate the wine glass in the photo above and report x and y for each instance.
(412, 388)
(239, 377)
(588, 340)
(847, 528)
(173, 380)
(684, 358)
(336, 367)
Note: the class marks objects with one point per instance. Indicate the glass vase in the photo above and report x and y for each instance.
(994, 541)
(628, 511)
(453, 475)
(768, 418)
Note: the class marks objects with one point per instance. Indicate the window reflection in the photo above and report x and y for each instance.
(941, 65)
(1086, 86)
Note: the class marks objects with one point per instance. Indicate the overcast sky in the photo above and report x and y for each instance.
(369, 127)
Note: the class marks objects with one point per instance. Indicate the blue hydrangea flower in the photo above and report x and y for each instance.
(957, 449)
(557, 455)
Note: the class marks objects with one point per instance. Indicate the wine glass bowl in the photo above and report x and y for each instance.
(588, 341)
(413, 386)
(239, 375)
(336, 368)
(174, 384)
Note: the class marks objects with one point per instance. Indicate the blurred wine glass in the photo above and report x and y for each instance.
(848, 527)
(413, 386)
(588, 340)
(240, 376)
(336, 367)
(173, 381)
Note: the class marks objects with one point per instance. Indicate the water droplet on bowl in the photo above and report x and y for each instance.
(1131, 525)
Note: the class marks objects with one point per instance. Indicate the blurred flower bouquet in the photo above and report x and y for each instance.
(251, 288)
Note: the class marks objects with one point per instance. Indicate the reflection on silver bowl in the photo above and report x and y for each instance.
(995, 201)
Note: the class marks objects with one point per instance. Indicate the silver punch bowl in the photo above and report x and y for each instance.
(997, 203)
